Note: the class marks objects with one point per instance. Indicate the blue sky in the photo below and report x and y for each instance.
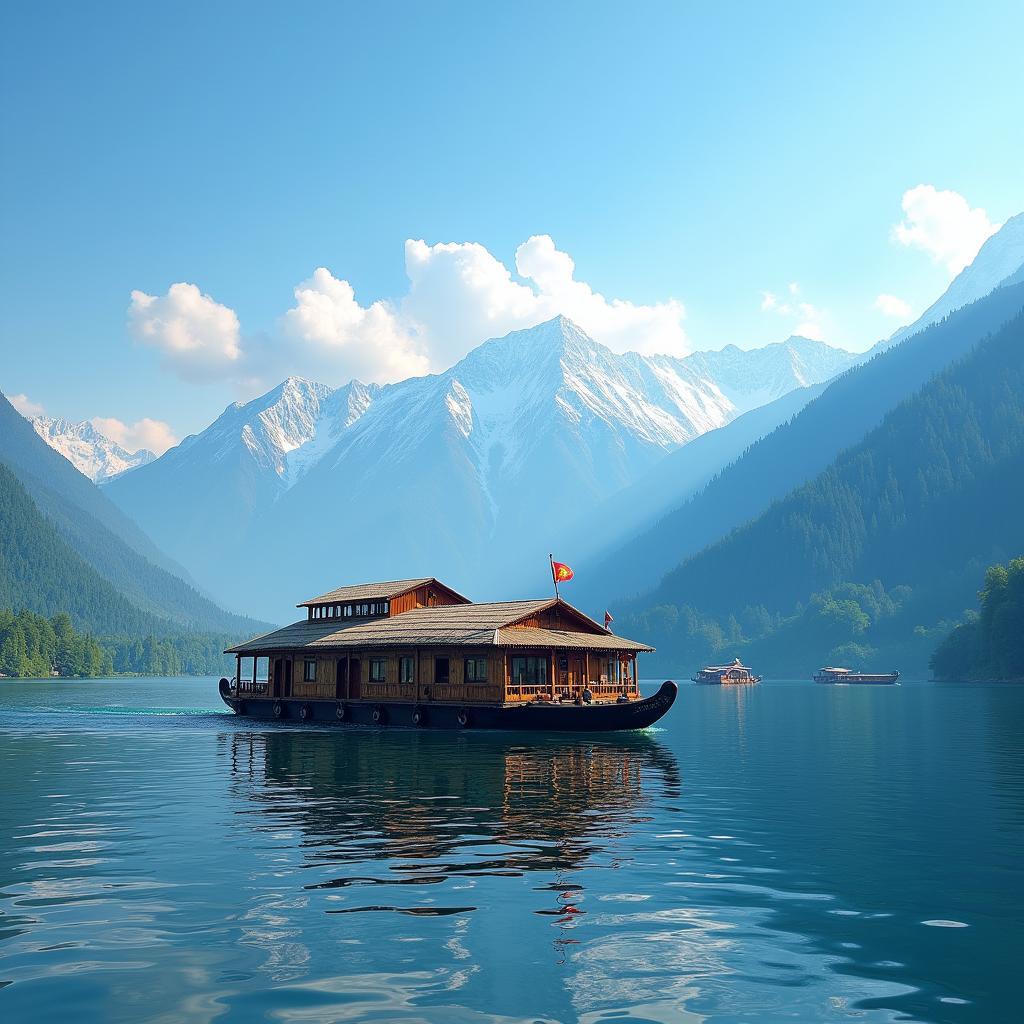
(688, 160)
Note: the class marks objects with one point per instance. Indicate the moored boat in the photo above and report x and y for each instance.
(846, 675)
(733, 674)
(417, 654)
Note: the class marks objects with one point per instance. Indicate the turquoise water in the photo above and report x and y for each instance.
(789, 852)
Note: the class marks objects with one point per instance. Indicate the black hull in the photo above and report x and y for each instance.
(888, 679)
(534, 717)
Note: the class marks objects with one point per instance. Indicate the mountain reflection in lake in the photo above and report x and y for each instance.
(788, 852)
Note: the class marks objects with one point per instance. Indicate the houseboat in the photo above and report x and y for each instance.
(416, 653)
(846, 675)
(734, 674)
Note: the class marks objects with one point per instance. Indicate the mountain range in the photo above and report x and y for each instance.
(712, 501)
(93, 454)
(887, 543)
(94, 547)
(467, 470)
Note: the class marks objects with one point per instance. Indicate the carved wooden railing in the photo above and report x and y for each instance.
(250, 687)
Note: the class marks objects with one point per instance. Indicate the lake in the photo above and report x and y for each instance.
(784, 852)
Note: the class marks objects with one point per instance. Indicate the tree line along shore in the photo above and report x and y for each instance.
(34, 646)
(987, 645)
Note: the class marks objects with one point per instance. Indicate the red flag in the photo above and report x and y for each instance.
(608, 620)
(561, 572)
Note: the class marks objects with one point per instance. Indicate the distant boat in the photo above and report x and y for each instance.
(846, 675)
(734, 674)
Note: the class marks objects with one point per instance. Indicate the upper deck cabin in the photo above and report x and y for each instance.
(420, 640)
(380, 600)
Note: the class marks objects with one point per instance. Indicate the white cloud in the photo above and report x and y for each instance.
(198, 337)
(621, 325)
(328, 333)
(26, 406)
(943, 225)
(155, 435)
(806, 319)
(459, 295)
(891, 305)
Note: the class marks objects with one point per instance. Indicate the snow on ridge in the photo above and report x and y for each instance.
(93, 454)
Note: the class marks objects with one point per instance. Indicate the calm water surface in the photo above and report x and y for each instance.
(788, 852)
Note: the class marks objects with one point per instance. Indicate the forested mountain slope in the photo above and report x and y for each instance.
(989, 645)
(102, 535)
(602, 528)
(39, 571)
(853, 404)
(926, 501)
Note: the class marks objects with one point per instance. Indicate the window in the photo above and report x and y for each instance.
(378, 670)
(309, 670)
(441, 674)
(612, 670)
(406, 670)
(261, 671)
(348, 611)
(476, 670)
(530, 671)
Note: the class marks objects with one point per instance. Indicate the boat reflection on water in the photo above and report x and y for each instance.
(480, 850)
(413, 797)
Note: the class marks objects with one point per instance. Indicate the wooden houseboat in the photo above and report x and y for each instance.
(846, 675)
(416, 653)
(726, 675)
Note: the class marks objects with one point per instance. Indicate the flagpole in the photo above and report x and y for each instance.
(554, 578)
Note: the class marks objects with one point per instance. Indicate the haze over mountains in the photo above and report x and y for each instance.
(55, 516)
(647, 473)
(465, 470)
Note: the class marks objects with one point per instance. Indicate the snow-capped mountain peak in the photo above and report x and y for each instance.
(90, 452)
(507, 443)
(285, 431)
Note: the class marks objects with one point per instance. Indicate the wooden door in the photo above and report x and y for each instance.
(441, 671)
(576, 672)
(564, 682)
(355, 679)
(276, 684)
(288, 677)
(341, 679)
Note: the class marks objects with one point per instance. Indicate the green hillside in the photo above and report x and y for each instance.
(852, 405)
(39, 571)
(989, 644)
(105, 538)
(57, 596)
(872, 559)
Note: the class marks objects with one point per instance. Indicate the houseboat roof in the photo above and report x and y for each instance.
(736, 663)
(378, 591)
(470, 624)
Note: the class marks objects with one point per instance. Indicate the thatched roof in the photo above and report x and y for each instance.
(464, 625)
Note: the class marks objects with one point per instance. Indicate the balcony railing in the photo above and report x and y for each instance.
(516, 692)
(250, 687)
